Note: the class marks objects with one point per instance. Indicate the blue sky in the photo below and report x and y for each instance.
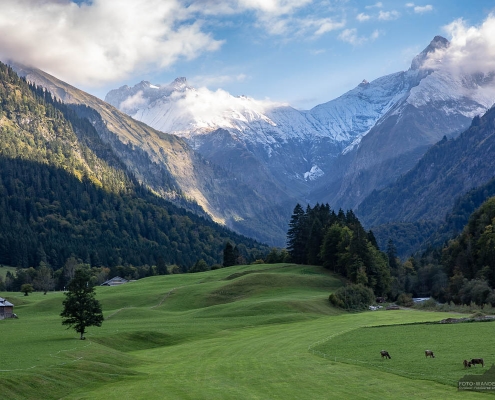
(303, 52)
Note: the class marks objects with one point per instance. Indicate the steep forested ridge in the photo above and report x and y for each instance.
(472, 253)
(447, 170)
(64, 192)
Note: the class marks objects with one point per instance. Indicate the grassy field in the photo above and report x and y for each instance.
(451, 343)
(244, 332)
(4, 269)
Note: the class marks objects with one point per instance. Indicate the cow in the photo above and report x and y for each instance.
(467, 364)
(385, 354)
(475, 361)
(429, 353)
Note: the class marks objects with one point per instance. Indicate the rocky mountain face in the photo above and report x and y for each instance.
(337, 152)
(172, 169)
(441, 103)
(268, 145)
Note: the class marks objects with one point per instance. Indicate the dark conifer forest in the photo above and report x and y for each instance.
(65, 195)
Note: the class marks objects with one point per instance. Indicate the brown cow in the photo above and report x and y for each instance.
(385, 354)
(429, 353)
(475, 361)
(467, 364)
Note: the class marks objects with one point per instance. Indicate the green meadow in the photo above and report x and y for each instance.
(4, 269)
(244, 332)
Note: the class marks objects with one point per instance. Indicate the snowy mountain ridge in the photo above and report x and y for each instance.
(186, 111)
(331, 151)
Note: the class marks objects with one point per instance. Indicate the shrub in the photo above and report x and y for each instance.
(352, 297)
(405, 300)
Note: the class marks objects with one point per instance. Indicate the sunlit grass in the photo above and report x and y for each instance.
(243, 332)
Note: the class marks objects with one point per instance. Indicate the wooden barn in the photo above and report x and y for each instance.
(6, 309)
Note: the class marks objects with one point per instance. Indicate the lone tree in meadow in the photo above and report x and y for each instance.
(81, 309)
(27, 288)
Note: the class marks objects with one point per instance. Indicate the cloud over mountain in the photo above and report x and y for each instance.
(471, 49)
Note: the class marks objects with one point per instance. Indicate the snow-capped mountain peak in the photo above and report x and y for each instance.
(300, 147)
(438, 42)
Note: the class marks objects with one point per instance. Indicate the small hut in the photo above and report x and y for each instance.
(115, 281)
(6, 309)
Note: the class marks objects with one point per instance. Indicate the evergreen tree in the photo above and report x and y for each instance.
(314, 242)
(330, 248)
(161, 267)
(296, 240)
(229, 258)
(392, 257)
(81, 309)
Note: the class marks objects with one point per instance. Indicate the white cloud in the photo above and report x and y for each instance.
(324, 25)
(134, 102)
(471, 50)
(388, 15)
(317, 52)
(100, 41)
(276, 7)
(361, 17)
(375, 35)
(376, 5)
(423, 9)
(211, 108)
(420, 9)
(351, 36)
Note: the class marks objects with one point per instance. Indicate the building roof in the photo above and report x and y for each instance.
(115, 281)
(5, 303)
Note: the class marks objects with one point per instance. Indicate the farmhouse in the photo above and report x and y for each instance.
(115, 281)
(6, 309)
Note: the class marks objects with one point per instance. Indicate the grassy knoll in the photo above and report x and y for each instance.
(242, 332)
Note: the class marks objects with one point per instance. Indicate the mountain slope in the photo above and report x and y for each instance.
(169, 167)
(442, 103)
(277, 145)
(337, 152)
(60, 199)
(448, 169)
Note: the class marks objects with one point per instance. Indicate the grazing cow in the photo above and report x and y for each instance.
(475, 361)
(385, 354)
(429, 353)
(467, 364)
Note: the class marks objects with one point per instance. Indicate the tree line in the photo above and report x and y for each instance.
(461, 271)
(338, 241)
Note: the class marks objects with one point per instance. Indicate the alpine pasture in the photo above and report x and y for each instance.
(243, 332)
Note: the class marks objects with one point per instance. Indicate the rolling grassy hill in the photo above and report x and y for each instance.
(243, 332)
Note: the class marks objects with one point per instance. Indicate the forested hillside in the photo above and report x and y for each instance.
(462, 271)
(433, 201)
(64, 193)
(448, 170)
